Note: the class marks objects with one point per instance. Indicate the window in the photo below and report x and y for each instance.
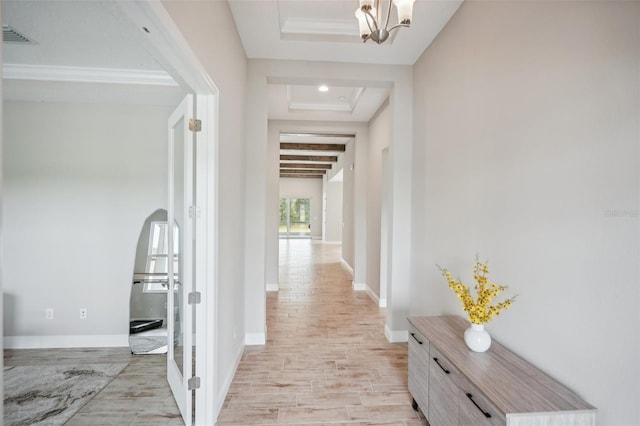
(295, 218)
(158, 257)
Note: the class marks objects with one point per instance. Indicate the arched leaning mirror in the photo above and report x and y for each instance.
(148, 302)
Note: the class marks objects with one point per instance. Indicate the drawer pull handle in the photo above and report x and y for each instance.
(416, 339)
(440, 365)
(487, 415)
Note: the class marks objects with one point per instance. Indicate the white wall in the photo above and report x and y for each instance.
(333, 212)
(79, 184)
(527, 152)
(209, 29)
(379, 137)
(306, 188)
(400, 79)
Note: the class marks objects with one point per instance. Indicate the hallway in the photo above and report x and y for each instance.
(326, 360)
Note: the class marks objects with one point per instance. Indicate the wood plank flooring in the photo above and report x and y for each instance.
(326, 361)
(140, 395)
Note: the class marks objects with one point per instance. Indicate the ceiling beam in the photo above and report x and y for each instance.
(287, 175)
(305, 166)
(320, 158)
(318, 135)
(302, 172)
(313, 146)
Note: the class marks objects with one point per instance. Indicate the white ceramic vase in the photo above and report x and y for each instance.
(477, 338)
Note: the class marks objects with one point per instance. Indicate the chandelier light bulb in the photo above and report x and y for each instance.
(362, 24)
(372, 25)
(367, 4)
(405, 10)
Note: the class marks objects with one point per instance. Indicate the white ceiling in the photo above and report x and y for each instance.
(82, 51)
(88, 51)
(306, 102)
(327, 30)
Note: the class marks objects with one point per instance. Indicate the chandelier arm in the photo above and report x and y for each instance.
(398, 25)
(386, 21)
(375, 24)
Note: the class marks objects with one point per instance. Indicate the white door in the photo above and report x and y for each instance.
(179, 311)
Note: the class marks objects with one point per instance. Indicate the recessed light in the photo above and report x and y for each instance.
(323, 88)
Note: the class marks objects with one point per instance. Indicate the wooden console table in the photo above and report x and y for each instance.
(453, 385)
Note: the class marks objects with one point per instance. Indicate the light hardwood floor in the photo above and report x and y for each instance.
(326, 361)
(139, 395)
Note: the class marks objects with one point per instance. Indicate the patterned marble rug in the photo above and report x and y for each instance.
(51, 395)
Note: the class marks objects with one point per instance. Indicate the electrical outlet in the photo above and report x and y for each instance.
(83, 313)
(49, 313)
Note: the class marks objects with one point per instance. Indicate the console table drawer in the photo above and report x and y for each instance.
(475, 408)
(443, 390)
(419, 369)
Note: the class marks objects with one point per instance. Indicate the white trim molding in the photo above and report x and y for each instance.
(87, 75)
(70, 341)
(373, 295)
(226, 385)
(383, 303)
(346, 266)
(359, 286)
(273, 287)
(396, 336)
(255, 339)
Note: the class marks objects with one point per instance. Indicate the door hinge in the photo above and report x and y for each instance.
(194, 211)
(193, 383)
(195, 125)
(195, 297)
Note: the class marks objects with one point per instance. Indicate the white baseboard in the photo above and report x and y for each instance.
(396, 336)
(332, 242)
(273, 287)
(226, 385)
(359, 286)
(373, 296)
(347, 266)
(253, 339)
(381, 303)
(71, 341)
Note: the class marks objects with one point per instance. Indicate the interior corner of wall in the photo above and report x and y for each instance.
(273, 287)
(359, 286)
(346, 266)
(396, 336)
(255, 339)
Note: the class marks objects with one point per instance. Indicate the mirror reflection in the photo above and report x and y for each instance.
(148, 302)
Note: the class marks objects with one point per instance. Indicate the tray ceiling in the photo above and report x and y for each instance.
(328, 31)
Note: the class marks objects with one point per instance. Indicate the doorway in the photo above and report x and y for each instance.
(295, 218)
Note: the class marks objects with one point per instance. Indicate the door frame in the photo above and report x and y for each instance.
(178, 375)
(159, 33)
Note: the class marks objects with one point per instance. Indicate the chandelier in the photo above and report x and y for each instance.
(370, 19)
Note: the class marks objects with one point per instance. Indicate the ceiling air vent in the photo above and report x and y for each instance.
(9, 35)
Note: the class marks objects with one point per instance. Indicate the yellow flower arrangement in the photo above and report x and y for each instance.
(479, 310)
